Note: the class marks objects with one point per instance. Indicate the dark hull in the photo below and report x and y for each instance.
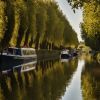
(65, 56)
(8, 62)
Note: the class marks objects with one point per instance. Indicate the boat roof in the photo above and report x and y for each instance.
(27, 48)
(22, 48)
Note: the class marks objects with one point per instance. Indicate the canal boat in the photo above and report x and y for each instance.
(65, 54)
(74, 52)
(18, 53)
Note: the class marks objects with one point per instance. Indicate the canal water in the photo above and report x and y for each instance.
(60, 79)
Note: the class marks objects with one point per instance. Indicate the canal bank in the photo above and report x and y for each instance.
(44, 54)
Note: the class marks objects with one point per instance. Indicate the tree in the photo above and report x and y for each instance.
(90, 25)
(34, 23)
(24, 23)
(9, 12)
(3, 20)
(41, 18)
(91, 19)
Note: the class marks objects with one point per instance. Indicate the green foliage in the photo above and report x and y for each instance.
(3, 19)
(91, 21)
(90, 26)
(41, 18)
(79, 3)
(70, 35)
(52, 22)
(32, 9)
(24, 23)
(34, 23)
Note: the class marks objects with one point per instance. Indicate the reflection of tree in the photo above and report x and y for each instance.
(20, 80)
(5, 92)
(9, 87)
(54, 80)
(90, 82)
(87, 87)
(47, 82)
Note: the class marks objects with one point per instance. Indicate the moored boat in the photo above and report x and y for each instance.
(65, 54)
(19, 53)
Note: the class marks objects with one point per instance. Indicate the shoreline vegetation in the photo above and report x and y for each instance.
(90, 27)
(34, 23)
(40, 24)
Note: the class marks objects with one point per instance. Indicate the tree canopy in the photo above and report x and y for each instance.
(90, 28)
(34, 23)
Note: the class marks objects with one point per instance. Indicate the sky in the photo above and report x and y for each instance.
(73, 18)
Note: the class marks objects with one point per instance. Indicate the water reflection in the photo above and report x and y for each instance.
(91, 81)
(46, 82)
(54, 80)
(73, 91)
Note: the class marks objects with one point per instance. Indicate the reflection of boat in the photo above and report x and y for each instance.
(26, 67)
(18, 53)
(64, 60)
(65, 54)
(22, 68)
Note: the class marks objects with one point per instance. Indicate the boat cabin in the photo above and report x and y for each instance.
(20, 51)
(65, 51)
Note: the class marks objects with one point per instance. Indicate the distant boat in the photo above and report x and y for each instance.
(19, 53)
(74, 52)
(65, 54)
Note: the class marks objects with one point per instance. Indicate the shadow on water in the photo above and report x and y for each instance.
(46, 82)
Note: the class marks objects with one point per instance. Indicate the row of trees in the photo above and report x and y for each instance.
(91, 24)
(34, 23)
(91, 21)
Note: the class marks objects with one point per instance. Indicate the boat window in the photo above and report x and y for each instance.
(10, 51)
(17, 52)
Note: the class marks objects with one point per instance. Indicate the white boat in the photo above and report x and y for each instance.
(65, 54)
(19, 53)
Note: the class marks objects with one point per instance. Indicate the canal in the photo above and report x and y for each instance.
(74, 79)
